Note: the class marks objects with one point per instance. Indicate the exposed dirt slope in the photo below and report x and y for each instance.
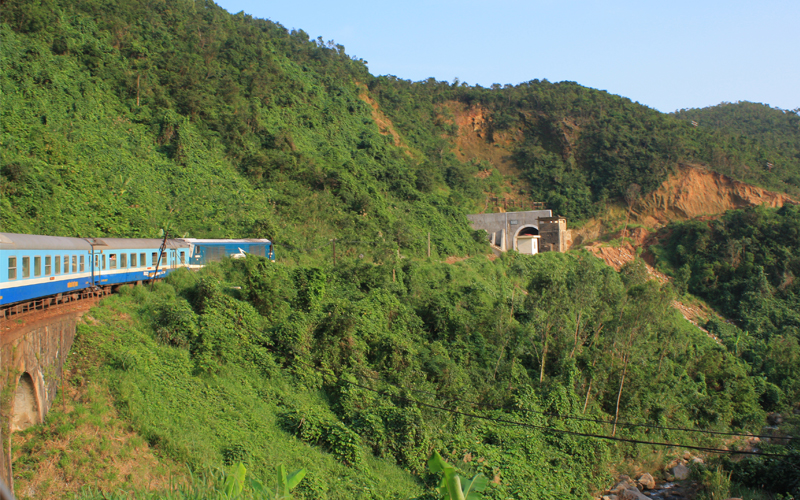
(475, 139)
(385, 125)
(695, 191)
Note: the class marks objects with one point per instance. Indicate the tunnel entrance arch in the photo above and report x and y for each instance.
(26, 405)
(526, 239)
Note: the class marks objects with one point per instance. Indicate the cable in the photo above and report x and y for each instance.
(563, 431)
(575, 417)
(551, 429)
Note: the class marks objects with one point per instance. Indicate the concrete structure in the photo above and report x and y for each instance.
(553, 232)
(527, 232)
(504, 228)
(33, 348)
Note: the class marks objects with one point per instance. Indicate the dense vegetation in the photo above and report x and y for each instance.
(123, 118)
(583, 147)
(745, 265)
(763, 135)
(135, 116)
(349, 358)
(132, 117)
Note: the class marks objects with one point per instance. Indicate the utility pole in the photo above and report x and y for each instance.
(429, 244)
(160, 253)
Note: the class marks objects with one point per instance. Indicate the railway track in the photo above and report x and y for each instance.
(30, 311)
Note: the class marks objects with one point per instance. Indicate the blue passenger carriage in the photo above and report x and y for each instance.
(46, 267)
(35, 266)
(123, 260)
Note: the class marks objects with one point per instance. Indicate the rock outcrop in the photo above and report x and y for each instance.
(633, 494)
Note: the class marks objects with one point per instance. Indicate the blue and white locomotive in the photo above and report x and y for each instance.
(33, 267)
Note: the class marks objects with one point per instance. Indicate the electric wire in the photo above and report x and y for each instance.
(580, 418)
(564, 431)
(547, 428)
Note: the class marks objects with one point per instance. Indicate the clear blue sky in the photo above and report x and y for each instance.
(665, 54)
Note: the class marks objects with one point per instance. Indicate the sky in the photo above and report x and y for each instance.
(667, 55)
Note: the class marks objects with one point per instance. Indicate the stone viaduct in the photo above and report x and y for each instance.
(33, 347)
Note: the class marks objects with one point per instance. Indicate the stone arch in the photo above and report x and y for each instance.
(26, 405)
(526, 230)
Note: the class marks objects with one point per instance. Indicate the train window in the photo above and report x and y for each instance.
(133, 260)
(112, 261)
(155, 259)
(83, 266)
(58, 265)
(96, 262)
(74, 263)
(164, 258)
(26, 267)
(143, 259)
(66, 264)
(123, 261)
(12, 268)
(48, 265)
(103, 261)
(37, 266)
(183, 257)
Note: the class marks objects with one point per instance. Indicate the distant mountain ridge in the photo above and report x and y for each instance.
(771, 135)
(132, 117)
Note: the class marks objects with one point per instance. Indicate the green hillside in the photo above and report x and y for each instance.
(757, 134)
(126, 118)
(152, 115)
(745, 264)
(360, 372)
(131, 117)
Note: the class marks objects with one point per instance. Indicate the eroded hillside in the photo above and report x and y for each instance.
(695, 191)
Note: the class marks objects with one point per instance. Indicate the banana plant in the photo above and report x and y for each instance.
(451, 486)
(286, 484)
(234, 482)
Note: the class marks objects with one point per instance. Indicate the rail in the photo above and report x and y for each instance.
(23, 309)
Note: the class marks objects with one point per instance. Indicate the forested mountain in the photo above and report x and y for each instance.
(125, 118)
(130, 117)
(746, 264)
(765, 135)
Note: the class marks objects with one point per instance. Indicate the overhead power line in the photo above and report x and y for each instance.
(564, 431)
(544, 428)
(580, 418)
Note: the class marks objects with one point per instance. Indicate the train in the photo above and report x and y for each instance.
(36, 267)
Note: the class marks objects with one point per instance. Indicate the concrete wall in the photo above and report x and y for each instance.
(31, 359)
(505, 226)
(553, 231)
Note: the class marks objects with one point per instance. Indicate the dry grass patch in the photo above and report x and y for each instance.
(85, 444)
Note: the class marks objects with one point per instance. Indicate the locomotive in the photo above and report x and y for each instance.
(35, 267)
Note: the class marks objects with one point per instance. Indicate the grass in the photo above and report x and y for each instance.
(83, 441)
(738, 491)
(138, 420)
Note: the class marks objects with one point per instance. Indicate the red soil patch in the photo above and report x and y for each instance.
(695, 192)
